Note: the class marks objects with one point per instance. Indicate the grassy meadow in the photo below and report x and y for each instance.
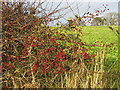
(103, 34)
(99, 33)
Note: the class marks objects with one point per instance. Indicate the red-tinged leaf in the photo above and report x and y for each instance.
(42, 72)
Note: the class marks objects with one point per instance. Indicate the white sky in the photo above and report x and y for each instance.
(64, 0)
(67, 0)
(94, 0)
(83, 0)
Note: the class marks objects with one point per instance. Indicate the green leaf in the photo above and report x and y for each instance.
(42, 25)
(70, 18)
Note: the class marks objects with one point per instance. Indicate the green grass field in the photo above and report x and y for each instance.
(92, 34)
(99, 33)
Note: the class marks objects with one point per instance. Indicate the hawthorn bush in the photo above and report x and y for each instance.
(36, 55)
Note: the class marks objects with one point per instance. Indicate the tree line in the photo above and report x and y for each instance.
(107, 19)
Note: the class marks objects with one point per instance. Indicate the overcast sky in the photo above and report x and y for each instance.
(83, 6)
(66, 0)
(84, 0)
(95, 0)
(75, 0)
